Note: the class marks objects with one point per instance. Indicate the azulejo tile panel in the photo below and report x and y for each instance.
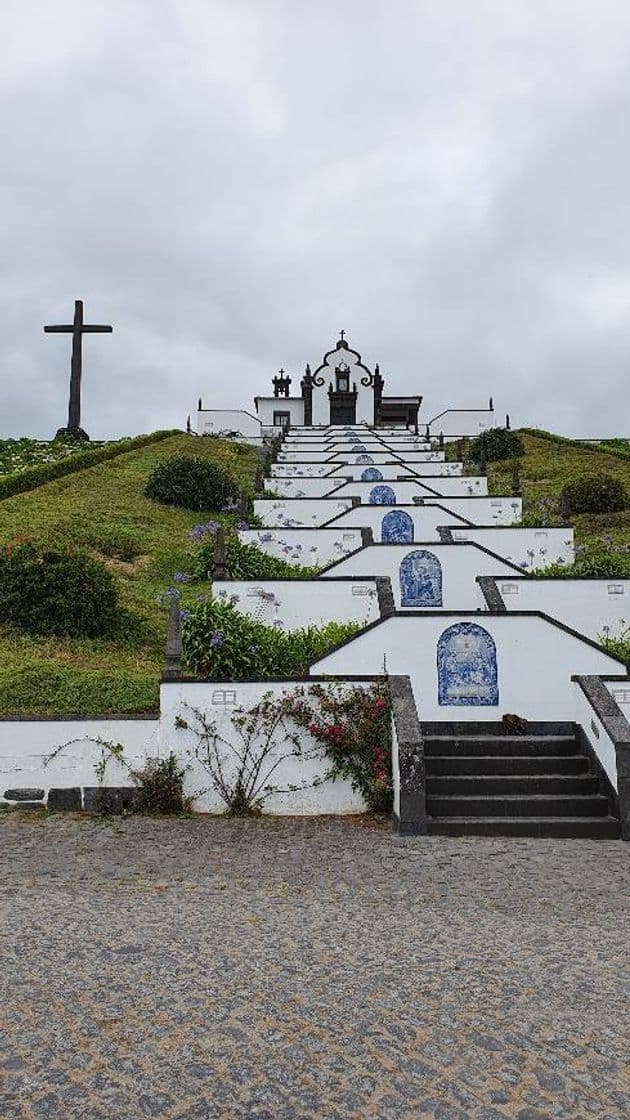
(467, 667)
(382, 496)
(421, 580)
(397, 527)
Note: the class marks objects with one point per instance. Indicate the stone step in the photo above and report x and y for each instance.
(578, 828)
(507, 745)
(506, 764)
(493, 785)
(537, 805)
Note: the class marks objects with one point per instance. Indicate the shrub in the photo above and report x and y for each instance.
(220, 642)
(47, 592)
(160, 786)
(594, 493)
(247, 561)
(193, 483)
(498, 443)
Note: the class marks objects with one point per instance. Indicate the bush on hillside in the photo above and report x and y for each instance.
(594, 493)
(498, 443)
(220, 642)
(48, 592)
(193, 483)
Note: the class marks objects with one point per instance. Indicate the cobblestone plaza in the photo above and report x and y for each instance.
(199, 968)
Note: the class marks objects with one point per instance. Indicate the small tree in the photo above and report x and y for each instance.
(497, 443)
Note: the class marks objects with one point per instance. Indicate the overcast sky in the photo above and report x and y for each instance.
(230, 182)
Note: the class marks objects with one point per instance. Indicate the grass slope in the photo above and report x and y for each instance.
(550, 462)
(104, 510)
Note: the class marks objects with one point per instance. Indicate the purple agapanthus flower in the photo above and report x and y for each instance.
(184, 615)
(242, 526)
(181, 577)
(217, 640)
(200, 531)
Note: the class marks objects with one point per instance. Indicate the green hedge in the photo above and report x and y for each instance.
(33, 477)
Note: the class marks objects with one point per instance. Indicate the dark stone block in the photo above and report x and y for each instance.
(25, 805)
(69, 799)
(24, 794)
(108, 799)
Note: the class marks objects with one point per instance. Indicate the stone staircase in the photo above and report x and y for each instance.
(481, 781)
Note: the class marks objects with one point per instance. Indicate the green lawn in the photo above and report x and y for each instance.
(545, 468)
(104, 510)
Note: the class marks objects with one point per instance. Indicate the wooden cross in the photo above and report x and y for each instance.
(342, 335)
(77, 329)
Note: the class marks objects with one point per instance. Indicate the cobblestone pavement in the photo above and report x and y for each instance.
(280, 969)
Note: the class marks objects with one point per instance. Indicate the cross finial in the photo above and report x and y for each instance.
(342, 335)
(281, 371)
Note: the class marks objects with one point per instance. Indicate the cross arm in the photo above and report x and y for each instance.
(58, 330)
(94, 328)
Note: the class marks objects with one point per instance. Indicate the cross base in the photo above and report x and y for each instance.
(73, 433)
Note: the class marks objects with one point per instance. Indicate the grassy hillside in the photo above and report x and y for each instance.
(104, 510)
(550, 462)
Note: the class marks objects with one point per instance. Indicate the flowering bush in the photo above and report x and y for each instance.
(220, 642)
(244, 561)
(52, 592)
(351, 727)
(17, 454)
(354, 727)
(193, 483)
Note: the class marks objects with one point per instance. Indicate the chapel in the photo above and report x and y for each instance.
(341, 390)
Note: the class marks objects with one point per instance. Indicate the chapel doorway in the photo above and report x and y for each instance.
(343, 412)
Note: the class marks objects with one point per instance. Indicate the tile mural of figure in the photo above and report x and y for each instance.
(382, 496)
(467, 667)
(420, 580)
(397, 527)
(364, 459)
(371, 474)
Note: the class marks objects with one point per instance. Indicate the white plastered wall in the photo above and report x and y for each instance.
(221, 421)
(303, 487)
(483, 511)
(529, 549)
(26, 745)
(601, 743)
(311, 548)
(300, 470)
(535, 661)
(620, 692)
(425, 519)
(219, 701)
(266, 406)
(405, 491)
(299, 512)
(460, 564)
(462, 422)
(598, 608)
(294, 604)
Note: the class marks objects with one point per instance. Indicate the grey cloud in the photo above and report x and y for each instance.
(229, 183)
